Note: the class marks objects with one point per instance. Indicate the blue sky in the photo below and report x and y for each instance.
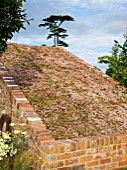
(97, 24)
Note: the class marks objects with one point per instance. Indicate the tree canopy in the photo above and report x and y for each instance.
(53, 24)
(117, 62)
(12, 19)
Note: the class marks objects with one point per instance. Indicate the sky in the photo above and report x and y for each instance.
(97, 24)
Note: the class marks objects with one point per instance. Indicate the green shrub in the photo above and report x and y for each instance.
(117, 62)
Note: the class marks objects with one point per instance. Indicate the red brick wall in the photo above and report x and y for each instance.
(89, 153)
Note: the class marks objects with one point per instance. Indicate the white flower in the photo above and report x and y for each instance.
(6, 136)
(17, 132)
(24, 133)
(1, 158)
(23, 124)
(12, 124)
(8, 143)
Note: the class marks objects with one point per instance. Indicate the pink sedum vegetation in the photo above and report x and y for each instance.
(72, 98)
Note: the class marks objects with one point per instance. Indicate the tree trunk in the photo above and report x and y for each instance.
(55, 40)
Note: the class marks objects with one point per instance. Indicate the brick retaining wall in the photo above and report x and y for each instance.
(89, 153)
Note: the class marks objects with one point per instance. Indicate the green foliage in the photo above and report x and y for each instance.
(12, 19)
(117, 62)
(53, 24)
(125, 91)
(13, 152)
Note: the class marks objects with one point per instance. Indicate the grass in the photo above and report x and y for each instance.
(21, 161)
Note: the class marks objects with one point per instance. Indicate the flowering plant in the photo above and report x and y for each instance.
(12, 145)
(6, 146)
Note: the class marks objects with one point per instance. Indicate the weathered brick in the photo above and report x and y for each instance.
(99, 167)
(82, 144)
(125, 157)
(24, 115)
(56, 164)
(114, 153)
(26, 107)
(11, 88)
(9, 82)
(85, 158)
(64, 156)
(87, 144)
(4, 74)
(30, 114)
(105, 149)
(19, 102)
(34, 127)
(93, 143)
(120, 139)
(121, 163)
(92, 163)
(59, 147)
(107, 141)
(78, 167)
(69, 145)
(115, 141)
(106, 160)
(102, 142)
(98, 143)
(42, 138)
(39, 130)
(76, 144)
(48, 147)
(17, 94)
(121, 146)
(111, 140)
(108, 154)
(34, 120)
(111, 165)
(91, 151)
(121, 152)
(114, 147)
(71, 161)
(125, 138)
(49, 158)
(78, 153)
(42, 132)
(99, 155)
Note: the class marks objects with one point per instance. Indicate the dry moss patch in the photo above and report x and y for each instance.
(73, 99)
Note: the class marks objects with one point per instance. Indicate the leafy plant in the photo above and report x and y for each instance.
(53, 23)
(12, 18)
(117, 62)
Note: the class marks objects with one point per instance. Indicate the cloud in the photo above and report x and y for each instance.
(97, 23)
(101, 4)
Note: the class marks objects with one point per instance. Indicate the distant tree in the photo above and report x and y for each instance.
(53, 23)
(117, 62)
(12, 18)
